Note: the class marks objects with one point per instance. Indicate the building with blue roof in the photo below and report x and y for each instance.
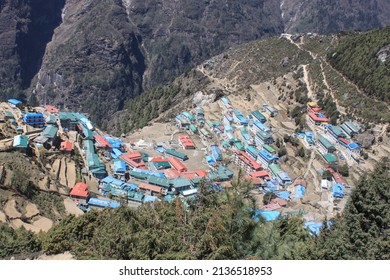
(36, 120)
(151, 199)
(338, 190)
(267, 215)
(103, 203)
(216, 152)
(182, 121)
(239, 118)
(258, 126)
(299, 192)
(225, 100)
(14, 102)
(119, 167)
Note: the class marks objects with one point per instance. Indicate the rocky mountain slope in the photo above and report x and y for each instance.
(94, 55)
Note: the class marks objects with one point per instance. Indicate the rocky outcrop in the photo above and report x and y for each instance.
(331, 16)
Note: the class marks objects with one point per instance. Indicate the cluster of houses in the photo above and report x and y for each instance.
(247, 138)
(334, 137)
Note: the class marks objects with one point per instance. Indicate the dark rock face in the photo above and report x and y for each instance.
(331, 16)
(93, 55)
(25, 28)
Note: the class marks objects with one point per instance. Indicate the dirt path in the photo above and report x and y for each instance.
(307, 82)
(71, 174)
(309, 164)
(225, 84)
(63, 179)
(10, 209)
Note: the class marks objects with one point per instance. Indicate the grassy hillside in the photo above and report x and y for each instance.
(356, 56)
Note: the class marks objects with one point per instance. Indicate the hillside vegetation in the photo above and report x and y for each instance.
(357, 56)
(218, 225)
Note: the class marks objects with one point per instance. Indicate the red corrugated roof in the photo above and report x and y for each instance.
(259, 174)
(146, 186)
(102, 142)
(316, 118)
(134, 160)
(186, 141)
(336, 176)
(159, 159)
(66, 146)
(177, 164)
(80, 190)
(279, 201)
(189, 175)
(345, 141)
(248, 160)
(51, 109)
(171, 173)
(201, 173)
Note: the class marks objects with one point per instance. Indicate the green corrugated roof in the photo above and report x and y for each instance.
(269, 149)
(50, 131)
(162, 165)
(330, 158)
(263, 135)
(138, 175)
(239, 146)
(180, 182)
(325, 142)
(337, 130)
(193, 128)
(259, 116)
(175, 153)
(51, 119)
(252, 150)
(20, 141)
(275, 168)
(135, 196)
(159, 181)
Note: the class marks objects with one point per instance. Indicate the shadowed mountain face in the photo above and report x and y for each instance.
(93, 55)
(25, 29)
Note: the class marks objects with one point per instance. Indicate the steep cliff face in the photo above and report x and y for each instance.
(94, 61)
(25, 28)
(107, 51)
(104, 52)
(331, 16)
(179, 34)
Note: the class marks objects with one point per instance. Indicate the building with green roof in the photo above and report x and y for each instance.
(20, 142)
(157, 181)
(330, 158)
(325, 146)
(138, 175)
(176, 154)
(269, 149)
(259, 116)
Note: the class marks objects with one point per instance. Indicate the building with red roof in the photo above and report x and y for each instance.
(186, 142)
(171, 173)
(201, 173)
(134, 160)
(318, 119)
(52, 109)
(177, 164)
(66, 147)
(245, 161)
(102, 142)
(263, 174)
(80, 190)
(337, 178)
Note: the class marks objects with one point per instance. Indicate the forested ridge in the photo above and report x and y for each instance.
(357, 56)
(218, 225)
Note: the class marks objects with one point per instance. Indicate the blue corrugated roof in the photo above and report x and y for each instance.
(14, 101)
(338, 190)
(266, 155)
(267, 215)
(103, 203)
(119, 166)
(261, 126)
